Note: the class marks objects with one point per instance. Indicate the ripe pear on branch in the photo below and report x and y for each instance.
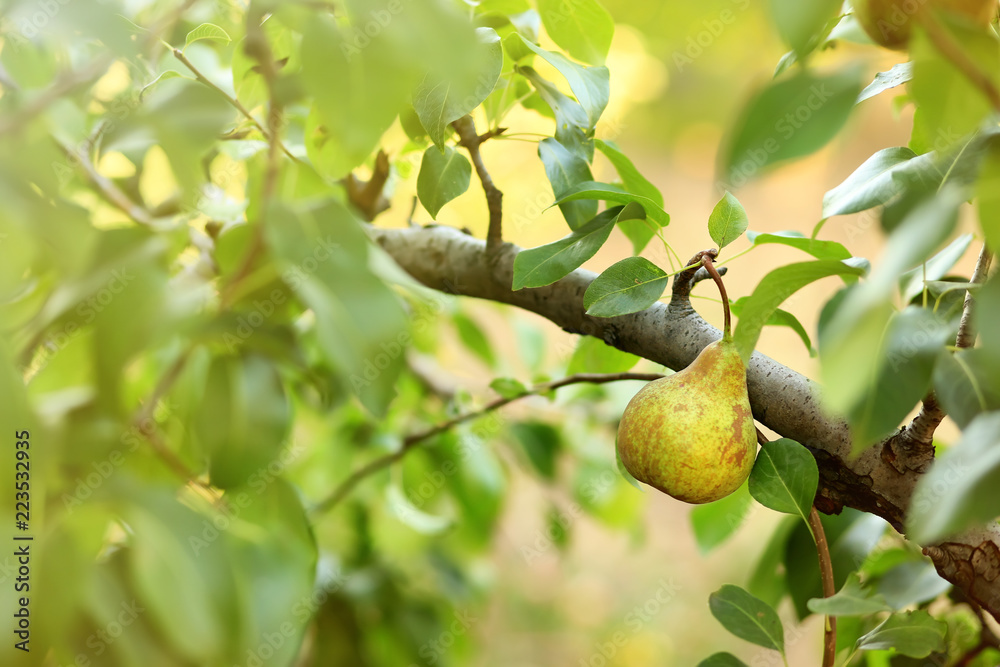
(691, 434)
(889, 22)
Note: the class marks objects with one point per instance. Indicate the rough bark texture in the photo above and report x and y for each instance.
(785, 401)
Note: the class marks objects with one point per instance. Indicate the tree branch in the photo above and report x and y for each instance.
(785, 401)
(415, 439)
(470, 141)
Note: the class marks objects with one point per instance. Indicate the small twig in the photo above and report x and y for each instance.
(234, 102)
(412, 440)
(914, 447)
(966, 336)
(470, 141)
(366, 196)
(65, 83)
(107, 189)
(829, 587)
(950, 49)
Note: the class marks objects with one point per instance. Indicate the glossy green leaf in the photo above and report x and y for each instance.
(593, 355)
(722, 660)
(779, 318)
(573, 129)
(628, 286)
(207, 31)
(959, 491)
(788, 119)
(566, 170)
(915, 634)
(439, 101)
(773, 289)
(935, 268)
(632, 180)
(443, 176)
(851, 600)
(747, 617)
(728, 221)
(897, 75)
(785, 477)
(816, 248)
(583, 28)
(912, 582)
(590, 85)
(613, 193)
(714, 523)
(767, 580)
(966, 384)
(871, 184)
(546, 264)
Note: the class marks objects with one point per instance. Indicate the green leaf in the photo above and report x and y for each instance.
(632, 180)
(613, 193)
(897, 75)
(593, 355)
(788, 119)
(779, 318)
(590, 85)
(628, 286)
(959, 491)
(474, 338)
(793, 239)
(951, 105)
(914, 634)
(439, 101)
(912, 282)
(508, 387)
(966, 383)
(565, 170)
(988, 191)
(722, 660)
(785, 477)
(573, 128)
(801, 24)
(242, 419)
(901, 375)
(443, 176)
(583, 28)
(207, 31)
(852, 335)
(728, 221)
(912, 582)
(871, 184)
(747, 617)
(714, 523)
(542, 444)
(773, 289)
(413, 517)
(546, 264)
(851, 600)
(767, 580)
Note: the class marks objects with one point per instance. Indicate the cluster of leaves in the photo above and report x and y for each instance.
(197, 328)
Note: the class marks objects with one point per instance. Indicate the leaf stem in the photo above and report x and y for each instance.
(727, 331)
(829, 586)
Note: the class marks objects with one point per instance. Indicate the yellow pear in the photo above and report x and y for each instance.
(888, 22)
(691, 434)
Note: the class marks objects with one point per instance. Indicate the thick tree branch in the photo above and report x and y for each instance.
(785, 401)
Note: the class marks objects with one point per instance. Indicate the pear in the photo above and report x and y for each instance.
(691, 434)
(889, 22)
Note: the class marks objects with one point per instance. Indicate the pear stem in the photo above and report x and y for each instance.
(706, 261)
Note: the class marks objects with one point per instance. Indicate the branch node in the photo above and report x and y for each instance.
(470, 141)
